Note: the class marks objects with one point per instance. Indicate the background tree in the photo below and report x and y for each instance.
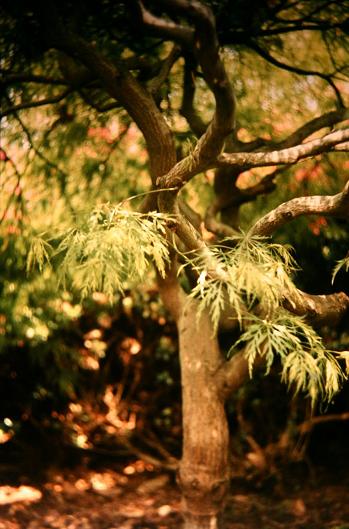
(154, 65)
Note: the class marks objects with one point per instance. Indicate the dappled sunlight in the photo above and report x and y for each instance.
(23, 493)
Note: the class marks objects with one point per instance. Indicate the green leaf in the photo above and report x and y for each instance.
(39, 253)
(111, 247)
(342, 263)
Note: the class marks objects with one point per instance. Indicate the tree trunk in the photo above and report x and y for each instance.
(204, 468)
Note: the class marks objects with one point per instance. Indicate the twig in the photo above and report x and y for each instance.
(300, 71)
(308, 425)
(34, 104)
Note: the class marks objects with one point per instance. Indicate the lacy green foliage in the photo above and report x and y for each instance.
(39, 253)
(112, 246)
(342, 263)
(255, 272)
(250, 272)
(306, 364)
(344, 355)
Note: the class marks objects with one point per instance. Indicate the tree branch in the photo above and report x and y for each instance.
(307, 425)
(63, 174)
(34, 104)
(327, 309)
(6, 158)
(216, 227)
(300, 71)
(155, 83)
(187, 108)
(121, 86)
(206, 49)
(96, 104)
(164, 28)
(285, 156)
(8, 78)
(301, 27)
(230, 197)
(335, 206)
(326, 120)
(234, 373)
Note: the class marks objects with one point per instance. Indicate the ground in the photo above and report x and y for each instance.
(132, 497)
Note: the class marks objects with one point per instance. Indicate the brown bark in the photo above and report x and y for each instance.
(285, 156)
(334, 206)
(204, 468)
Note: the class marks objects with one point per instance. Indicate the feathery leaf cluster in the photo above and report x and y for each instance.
(306, 364)
(251, 272)
(111, 247)
(39, 253)
(342, 263)
(257, 275)
(115, 245)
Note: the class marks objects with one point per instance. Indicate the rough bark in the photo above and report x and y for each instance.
(204, 468)
(285, 156)
(335, 206)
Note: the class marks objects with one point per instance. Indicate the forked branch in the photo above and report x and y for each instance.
(206, 50)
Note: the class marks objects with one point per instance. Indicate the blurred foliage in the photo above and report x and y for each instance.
(81, 372)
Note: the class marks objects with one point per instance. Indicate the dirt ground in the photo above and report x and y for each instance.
(136, 498)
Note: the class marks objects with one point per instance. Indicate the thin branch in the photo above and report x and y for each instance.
(155, 84)
(301, 27)
(342, 147)
(168, 465)
(34, 104)
(229, 198)
(308, 425)
(300, 71)
(18, 181)
(152, 440)
(325, 120)
(96, 105)
(335, 206)
(307, 16)
(217, 227)
(264, 186)
(286, 156)
(8, 79)
(43, 157)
